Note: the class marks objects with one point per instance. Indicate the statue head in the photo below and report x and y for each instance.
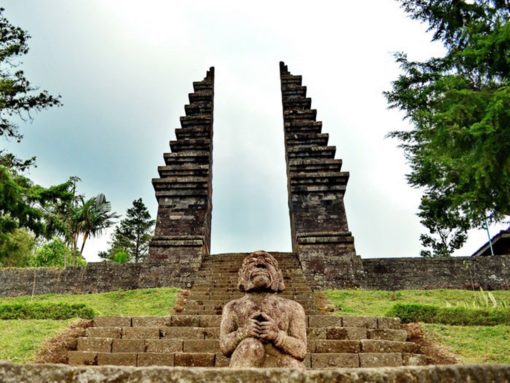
(260, 272)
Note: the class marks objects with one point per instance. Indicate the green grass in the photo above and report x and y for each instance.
(474, 344)
(150, 302)
(20, 339)
(377, 303)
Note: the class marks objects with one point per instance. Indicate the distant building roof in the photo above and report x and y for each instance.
(500, 245)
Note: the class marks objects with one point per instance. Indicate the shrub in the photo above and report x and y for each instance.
(56, 253)
(57, 311)
(460, 316)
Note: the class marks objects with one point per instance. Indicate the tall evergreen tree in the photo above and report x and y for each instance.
(459, 109)
(133, 234)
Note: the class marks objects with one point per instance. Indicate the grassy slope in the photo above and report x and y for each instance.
(472, 344)
(20, 339)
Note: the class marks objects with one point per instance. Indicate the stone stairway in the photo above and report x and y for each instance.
(189, 337)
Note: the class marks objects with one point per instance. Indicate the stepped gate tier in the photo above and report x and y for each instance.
(316, 185)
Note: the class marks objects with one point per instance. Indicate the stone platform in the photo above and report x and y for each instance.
(12, 373)
(189, 337)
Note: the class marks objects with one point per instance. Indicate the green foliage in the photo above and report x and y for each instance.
(459, 107)
(120, 256)
(56, 253)
(24, 204)
(18, 97)
(460, 316)
(132, 235)
(16, 248)
(55, 311)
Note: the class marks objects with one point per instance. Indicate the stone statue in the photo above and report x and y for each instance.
(263, 329)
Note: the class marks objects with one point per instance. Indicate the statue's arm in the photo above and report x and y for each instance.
(294, 341)
(229, 334)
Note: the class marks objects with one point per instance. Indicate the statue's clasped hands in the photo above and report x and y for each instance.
(261, 326)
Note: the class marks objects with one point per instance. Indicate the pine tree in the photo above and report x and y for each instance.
(459, 109)
(132, 235)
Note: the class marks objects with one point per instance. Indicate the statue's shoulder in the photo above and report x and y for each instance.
(291, 304)
(234, 303)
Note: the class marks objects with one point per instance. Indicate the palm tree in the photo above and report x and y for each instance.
(93, 216)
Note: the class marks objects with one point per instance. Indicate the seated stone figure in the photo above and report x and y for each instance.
(263, 329)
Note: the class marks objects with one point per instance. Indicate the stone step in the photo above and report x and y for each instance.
(299, 115)
(294, 90)
(297, 102)
(310, 151)
(199, 108)
(138, 340)
(202, 85)
(190, 144)
(198, 157)
(195, 121)
(202, 359)
(204, 95)
(299, 165)
(193, 132)
(319, 139)
(187, 332)
(184, 170)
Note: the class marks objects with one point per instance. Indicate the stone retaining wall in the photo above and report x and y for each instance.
(11, 373)
(490, 273)
(96, 277)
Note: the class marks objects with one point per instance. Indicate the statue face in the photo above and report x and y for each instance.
(260, 272)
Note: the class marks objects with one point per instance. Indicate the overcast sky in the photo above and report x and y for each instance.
(124, 69)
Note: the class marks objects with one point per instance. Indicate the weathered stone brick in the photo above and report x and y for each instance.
(140, 333)
(148, 322)
(387, 334)
(155, 359)
(210, 320)
(128, 345)
(194, 360)
(183, 332)
(380, 359)
(112, 322)
(185, 320)
(388, 323)
(335, 360)
(164, 345)
(324, 321)
(388, 346)
(104, 332)
(82, 358)
(337, 346)
(211, 345)
(414, 359)
(367, 322)
(95, 344)
(117, 359)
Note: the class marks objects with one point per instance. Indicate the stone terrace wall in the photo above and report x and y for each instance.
(490, 273)
(96, 277)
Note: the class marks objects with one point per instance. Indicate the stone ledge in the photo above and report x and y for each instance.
(10, 373)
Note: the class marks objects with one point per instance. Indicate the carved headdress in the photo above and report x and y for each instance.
(256, 260)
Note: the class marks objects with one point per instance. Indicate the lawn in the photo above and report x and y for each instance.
(377, 303)
(471, 344)
(20, 339)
